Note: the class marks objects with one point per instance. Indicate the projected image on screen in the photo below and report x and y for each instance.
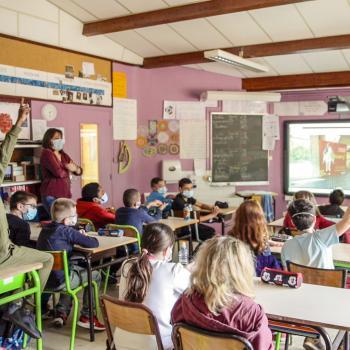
(318, 156)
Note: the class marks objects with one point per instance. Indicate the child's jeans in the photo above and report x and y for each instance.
(77, 277)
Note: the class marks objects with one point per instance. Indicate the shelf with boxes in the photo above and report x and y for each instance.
(24, 166)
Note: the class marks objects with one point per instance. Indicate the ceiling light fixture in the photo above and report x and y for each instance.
(234, 60)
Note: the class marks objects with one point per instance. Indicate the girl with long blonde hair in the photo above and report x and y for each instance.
(220, 296)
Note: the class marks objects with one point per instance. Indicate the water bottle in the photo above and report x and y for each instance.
(183, 253)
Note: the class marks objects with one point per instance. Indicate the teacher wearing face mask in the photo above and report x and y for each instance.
(56, 169)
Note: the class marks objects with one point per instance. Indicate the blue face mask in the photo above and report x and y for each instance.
(30, 214)
(58, 144)
(188, 194)
(162, 190)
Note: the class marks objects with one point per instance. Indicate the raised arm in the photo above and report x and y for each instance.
(8, 145)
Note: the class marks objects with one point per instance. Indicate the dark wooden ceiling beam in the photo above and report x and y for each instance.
(261, 50)
(299, 81)
(178, 13)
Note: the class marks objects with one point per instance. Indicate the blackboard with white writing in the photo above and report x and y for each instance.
(237, 154)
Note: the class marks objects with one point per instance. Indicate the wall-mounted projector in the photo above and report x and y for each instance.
(338, 104)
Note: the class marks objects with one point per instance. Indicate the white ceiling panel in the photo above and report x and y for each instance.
(74, 10)
(201, 34)
(166, 39)
(221, 68)
(239, 28)
(288, 64)
(103, 8)
(136, 43)
(328, 61)
(181, 2)
(136, 6)
(327, 17)
(282, 23)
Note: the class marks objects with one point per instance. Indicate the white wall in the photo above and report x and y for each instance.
(40, 21)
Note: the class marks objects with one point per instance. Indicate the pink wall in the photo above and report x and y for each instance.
(151, 88)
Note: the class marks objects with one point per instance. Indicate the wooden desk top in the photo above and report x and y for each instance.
(310, 304)
(8, 272)
(176, 223)
(223, 211)
(105, 243)
(276, 223)
(341, 252)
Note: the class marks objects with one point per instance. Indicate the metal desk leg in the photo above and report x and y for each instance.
(222, 227)
(90, 297)
(346, 341)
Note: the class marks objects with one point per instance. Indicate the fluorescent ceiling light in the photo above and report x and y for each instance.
(240, 96)
(234, 60)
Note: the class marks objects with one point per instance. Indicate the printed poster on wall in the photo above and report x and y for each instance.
(124, 119)
(8, 117)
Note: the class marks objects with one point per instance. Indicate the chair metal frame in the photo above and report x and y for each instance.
(63, 262)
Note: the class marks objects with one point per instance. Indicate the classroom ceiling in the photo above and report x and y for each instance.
(303, 20)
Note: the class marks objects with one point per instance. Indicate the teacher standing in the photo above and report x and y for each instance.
(56, 168)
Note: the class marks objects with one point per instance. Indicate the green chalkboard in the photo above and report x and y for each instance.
(237, 154)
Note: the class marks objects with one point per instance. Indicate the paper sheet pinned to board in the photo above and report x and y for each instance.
(120, 85)
(186, 109)
(39, 127)
(200, 166)
(88, 69)
(271, 131)
(124, 119)
(193, 139)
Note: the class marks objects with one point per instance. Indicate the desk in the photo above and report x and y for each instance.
(276, 225)
(176, 223)
(225, 214)
(309, 305)
(12, 271)
(107, 245)
(11, 284)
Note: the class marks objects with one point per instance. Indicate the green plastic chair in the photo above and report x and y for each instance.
(85, 222)
(18, 282)
(61, 263)
(129, 231)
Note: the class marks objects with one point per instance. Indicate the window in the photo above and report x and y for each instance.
(89, 152)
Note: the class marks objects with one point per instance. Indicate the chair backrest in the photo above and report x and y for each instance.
(321, 277)
(130, 317)
(85, 223)
(129, 231)
(186, 337)
(60, 263)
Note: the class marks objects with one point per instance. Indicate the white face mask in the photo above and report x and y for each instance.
(138, 205)
(162, 190)
(104, 198)
(188, 194)
(58, 144)
(73, 220)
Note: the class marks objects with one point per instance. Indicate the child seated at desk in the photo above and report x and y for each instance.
(133, 214)
(58, 236)
(159, 191)
(250, 227)
(23, 208)
(152, 279)
(89, 206)
(220, 294)
(321, 221)
(185, 197)
(333, 209)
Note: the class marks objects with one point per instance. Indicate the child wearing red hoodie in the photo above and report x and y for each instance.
(220, 294)
(90, 206)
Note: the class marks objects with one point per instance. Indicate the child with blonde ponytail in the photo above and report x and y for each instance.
(153, 280)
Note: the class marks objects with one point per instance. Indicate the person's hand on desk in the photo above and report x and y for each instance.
(163, 206)
(155, 203)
